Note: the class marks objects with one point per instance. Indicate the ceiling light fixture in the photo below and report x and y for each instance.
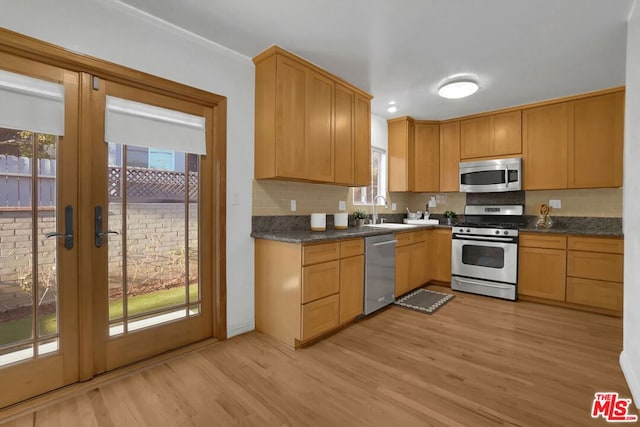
(392, 108)
(458, 89)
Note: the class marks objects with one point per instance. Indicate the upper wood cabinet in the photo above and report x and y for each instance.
(545, 141)
(595, 151)
(309, 124)
(362, 143)
(344, 134)
(414, 151)
(426, 159)
(488, 136)
(450, 157)
(574, 144)
(319, 137)
(400, 153)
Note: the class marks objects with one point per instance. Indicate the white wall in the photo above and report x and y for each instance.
(630, 356)
(379, 132)
(115, 32)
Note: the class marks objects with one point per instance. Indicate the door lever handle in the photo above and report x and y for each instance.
(68, 228)
(107, 232)
(99, 234)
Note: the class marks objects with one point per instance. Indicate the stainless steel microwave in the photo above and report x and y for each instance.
(489, 176)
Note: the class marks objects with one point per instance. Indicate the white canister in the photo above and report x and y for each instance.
(318, 222)
(341, 221)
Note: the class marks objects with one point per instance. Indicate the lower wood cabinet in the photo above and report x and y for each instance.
(595, 270)
(586, 272)
(304, 291)
(440, 256)
(320, 316)
(351, 287)
(542, 266)
(411, 258)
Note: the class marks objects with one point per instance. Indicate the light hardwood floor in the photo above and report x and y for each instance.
(476, 362)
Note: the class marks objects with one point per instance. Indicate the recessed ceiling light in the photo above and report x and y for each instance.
(458, 89)
(392, 108)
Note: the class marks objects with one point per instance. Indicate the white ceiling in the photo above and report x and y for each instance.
(401, 50)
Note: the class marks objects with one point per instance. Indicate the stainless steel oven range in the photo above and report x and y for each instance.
(485, 251)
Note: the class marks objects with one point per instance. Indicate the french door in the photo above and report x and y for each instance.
(148, 194)
(110, 228)
(38, 233)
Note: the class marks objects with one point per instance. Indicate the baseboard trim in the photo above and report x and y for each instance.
(240, 328)
(631, 376)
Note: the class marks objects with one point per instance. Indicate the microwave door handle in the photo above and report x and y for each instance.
(506, 176)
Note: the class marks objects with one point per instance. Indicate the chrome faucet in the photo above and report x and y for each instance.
(374, 215)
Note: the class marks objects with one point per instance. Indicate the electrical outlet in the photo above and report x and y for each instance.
(556, 204)
(394, 207)
(293, 206)
(342, 205)
(432, 202)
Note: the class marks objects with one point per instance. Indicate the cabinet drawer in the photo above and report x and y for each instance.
(418, 236)
(349, 248)
(403, 239)
(596, 244)
(320, 280)
(411, 237)
(595, 265)
(595, 293)
(320, 316)
(543, 240)
(314, 254)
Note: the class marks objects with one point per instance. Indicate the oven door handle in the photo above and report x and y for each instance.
(490, 285)
(486, 239)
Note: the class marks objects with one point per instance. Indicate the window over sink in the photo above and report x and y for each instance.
(378, 186)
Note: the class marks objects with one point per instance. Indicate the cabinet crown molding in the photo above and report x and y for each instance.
(277, 50)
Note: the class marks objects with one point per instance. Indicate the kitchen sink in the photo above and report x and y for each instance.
(390, 225)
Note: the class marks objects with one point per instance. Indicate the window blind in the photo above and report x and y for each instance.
(134, 123)
(31, 104)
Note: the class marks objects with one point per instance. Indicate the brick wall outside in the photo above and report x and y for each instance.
(155, 235)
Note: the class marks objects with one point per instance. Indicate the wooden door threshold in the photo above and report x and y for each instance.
(41, 401)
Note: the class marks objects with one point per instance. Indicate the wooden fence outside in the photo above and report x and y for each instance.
(143, 185)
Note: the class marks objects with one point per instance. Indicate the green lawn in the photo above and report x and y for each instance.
(21, 329)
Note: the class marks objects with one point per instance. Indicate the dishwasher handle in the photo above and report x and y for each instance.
(387, 242)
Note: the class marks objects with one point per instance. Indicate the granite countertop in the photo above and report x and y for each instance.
(578, 227)
(581, 226)
(309, 236)
(579, 231)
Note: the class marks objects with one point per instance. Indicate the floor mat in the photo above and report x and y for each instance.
(424, 300)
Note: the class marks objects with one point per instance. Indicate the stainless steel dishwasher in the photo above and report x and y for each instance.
(380, 272)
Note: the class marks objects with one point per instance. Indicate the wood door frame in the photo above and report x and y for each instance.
(30, 48)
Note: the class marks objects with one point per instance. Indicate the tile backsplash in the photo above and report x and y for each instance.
(274, 198)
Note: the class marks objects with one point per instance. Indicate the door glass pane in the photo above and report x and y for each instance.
(483, 256)
(153, 262)
(28, 272)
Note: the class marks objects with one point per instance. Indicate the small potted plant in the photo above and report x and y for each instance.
(359, 216)
(450, 215)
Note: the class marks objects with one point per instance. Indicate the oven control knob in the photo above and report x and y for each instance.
(497, 231)
(506, 232)
(461, 230)
(468, 230)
